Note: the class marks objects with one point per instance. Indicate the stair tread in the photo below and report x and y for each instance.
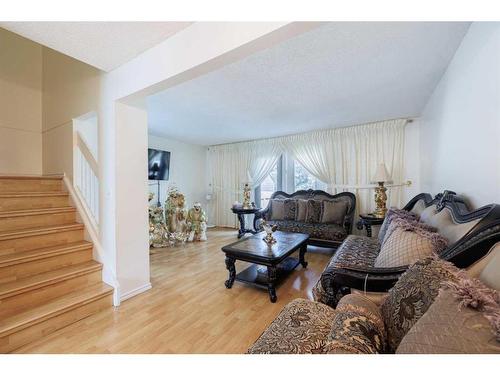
(38, 230)
(30, 177)
(53, 308)
(24, 194)
(27, 256)
(47, 278)
(37, 211)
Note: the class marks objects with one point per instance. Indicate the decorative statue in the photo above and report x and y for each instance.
(246, 197)
(175, 214)
(269, 239)
(158, 234)
(197, 223)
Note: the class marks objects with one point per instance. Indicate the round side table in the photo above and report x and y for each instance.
(367, 221)
(240, 212)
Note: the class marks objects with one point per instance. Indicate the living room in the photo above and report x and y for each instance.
(306, 187)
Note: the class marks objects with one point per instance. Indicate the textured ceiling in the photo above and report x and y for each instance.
(335, 75)
(105, 45)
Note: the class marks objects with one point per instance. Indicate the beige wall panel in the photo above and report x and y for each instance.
(20, 152)
(58, 150)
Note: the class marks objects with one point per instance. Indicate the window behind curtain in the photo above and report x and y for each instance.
(303, 180)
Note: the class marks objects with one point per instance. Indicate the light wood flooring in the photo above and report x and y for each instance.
(188, 310)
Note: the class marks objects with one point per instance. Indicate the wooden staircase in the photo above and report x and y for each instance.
(48, 278)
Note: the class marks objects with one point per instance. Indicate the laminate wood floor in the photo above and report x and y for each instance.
(188, 310)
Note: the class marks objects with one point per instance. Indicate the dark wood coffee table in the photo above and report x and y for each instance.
(270, 263)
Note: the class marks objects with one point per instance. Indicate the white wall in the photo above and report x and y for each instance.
(20, 105)
(187, 170)
(412, 161)
(460, 125)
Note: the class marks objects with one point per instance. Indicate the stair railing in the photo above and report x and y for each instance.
(85, 178)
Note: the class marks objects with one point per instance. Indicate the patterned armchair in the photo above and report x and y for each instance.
(470, 235)
(328, 219)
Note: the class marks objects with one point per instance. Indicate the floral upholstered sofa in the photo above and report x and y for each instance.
(433, 308)
(462, 236)
(326, 218)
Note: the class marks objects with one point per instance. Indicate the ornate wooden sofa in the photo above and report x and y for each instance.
(326, 234)
(471, 234)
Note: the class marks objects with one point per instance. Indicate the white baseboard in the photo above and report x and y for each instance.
(135, 292)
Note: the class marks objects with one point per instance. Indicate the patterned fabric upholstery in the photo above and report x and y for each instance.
(314, 211)
(412, 295)
(332, 232)
(302, 327)
(391, 214)
(357, 327)
(290, 209)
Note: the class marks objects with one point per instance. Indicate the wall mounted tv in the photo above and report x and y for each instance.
(158, 164)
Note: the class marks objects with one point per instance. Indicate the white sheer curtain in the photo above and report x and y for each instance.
(344, 158)
(233, 165)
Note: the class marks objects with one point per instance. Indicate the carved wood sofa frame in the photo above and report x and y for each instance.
(475, 244)
(317, 195)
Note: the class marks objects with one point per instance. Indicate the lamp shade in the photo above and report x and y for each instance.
(381, 174)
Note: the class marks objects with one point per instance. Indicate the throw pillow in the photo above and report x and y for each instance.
(406, 242)
(412, 295)
(334, 211)
(357, 327)
(405, 223)
(290, 209)
(448, 327)
(391, 214)
(277, 209)
(314, 211)
(301, 210)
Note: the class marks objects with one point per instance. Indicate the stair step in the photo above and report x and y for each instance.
(35, 323)
(30, 183)
(28, 263)
(26, 293)
(24, 219)
(23, 233)
(14, 201)
(47, 278)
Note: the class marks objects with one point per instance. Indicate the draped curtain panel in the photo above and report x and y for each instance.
(344, 158)
(233, 165)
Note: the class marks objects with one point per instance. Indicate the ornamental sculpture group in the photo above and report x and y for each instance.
(176, 225)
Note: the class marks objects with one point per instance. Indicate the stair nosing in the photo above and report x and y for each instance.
(91, 267)
(30, 177)
(38, 231)
(44, 317)
(36, 211)
(43, 253)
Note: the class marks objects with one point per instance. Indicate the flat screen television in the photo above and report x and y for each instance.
(158, 164)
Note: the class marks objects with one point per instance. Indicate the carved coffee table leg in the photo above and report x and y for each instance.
(232, 272)
(302, 253)
(271, 281)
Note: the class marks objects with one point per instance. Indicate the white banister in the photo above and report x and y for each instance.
(85, 178)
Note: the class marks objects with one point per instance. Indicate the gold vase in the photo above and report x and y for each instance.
(380, 200)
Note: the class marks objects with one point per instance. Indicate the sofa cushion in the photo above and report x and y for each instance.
(290, 209)
(445, 224)
(277, 209)
(412, 295)
(334, 211)
(449, 328)
(328, 232)
(406, 242)
(301, 210)
(357, 327)
(390, 215)
(314, 211)
(301, 327)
